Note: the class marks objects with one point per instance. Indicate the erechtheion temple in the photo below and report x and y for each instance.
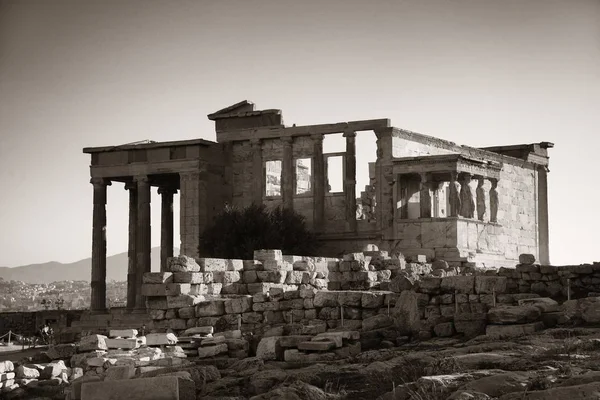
(425, 195)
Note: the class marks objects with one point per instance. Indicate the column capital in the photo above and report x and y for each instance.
(100, 182)
(255, 142)
(349, 134)
(383, 132)
(166, 190)
(287, 140)
(130, 185)
(494, 182)
(189, 175)
(453, 176)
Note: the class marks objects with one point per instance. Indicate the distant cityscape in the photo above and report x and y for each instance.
(70, 295)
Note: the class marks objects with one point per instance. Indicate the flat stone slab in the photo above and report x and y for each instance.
(119, 373)
(211, 351)
(293, 355)
(293, 340)
(511, 331)
(545, 304)
(199, 330)
(157, 277)
(157, 388)
(322, 345)
(125, 343)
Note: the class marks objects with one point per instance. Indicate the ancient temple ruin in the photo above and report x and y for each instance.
(426, 196)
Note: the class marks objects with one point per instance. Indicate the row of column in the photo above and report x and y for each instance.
(319, 178)
(463, 202)
(139, 246)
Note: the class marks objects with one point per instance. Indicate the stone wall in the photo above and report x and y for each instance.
(27, 323)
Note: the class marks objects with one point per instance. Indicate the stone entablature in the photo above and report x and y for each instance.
(497, 195)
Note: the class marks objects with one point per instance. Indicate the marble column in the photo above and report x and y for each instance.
(258, 176)
(132, 253)
(494, 200)
(166, 225)
(454, 195)
(425, 199)
(98, 284)
(288, 173)
(318, 182)
(350, 180)
(543, 226)
(481, 195)
(143, 246)
(467, 201)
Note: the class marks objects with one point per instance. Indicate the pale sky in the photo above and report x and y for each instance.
(85, 73)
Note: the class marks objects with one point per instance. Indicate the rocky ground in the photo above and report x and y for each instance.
(560, 363)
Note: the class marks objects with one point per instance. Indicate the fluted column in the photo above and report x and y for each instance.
(494, 200)
(481, 196)
(467, 201)
(257, 171)
(350, 180)
(143, 238)
(166, 225)
(425, 196)
(318, 182)
(98, 295)
(454, 195)
(287, 174)
(132, 253)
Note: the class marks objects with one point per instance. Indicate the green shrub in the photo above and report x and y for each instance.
(236, 233)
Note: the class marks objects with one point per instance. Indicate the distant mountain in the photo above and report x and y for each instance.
(116, 269)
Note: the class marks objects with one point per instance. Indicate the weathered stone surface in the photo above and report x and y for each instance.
(462, 284)
(238, 305)
(579, 392)
(406, 313)
(158, 388)
(326, 299)
(510, 331)
(199, 330)
(183, 301)
(490, 284)
(500, 384)
(182, 263)
(91, 343)
(296, 356)
(445, 329)
(376, 322)
(403, 282)
(526, 259)
(158, 277)
(120, 372)
(513, 314)
(193, 277)
(159, 339)
(317, 345)
(211, 351)
(372, 299)
(210, 308)
(269, 348)
(24, 372)
(6, 366)
(61, 351)
(545, 304)
(125, 343)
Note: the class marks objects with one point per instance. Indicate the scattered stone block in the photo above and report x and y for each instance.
(211, 351)
(238, 305)
(545, 304)
(210, 308)
(269, 348)
(182, 263)
(268, 255)
(462, 284)
(490, 284)
(199, 330)
(157, 303)
(61, 351)
(160, 339)
(6, 366)
(133, 343)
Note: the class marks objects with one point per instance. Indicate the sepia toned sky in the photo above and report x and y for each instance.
(79, 73)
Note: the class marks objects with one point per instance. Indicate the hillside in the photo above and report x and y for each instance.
(116, 269)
